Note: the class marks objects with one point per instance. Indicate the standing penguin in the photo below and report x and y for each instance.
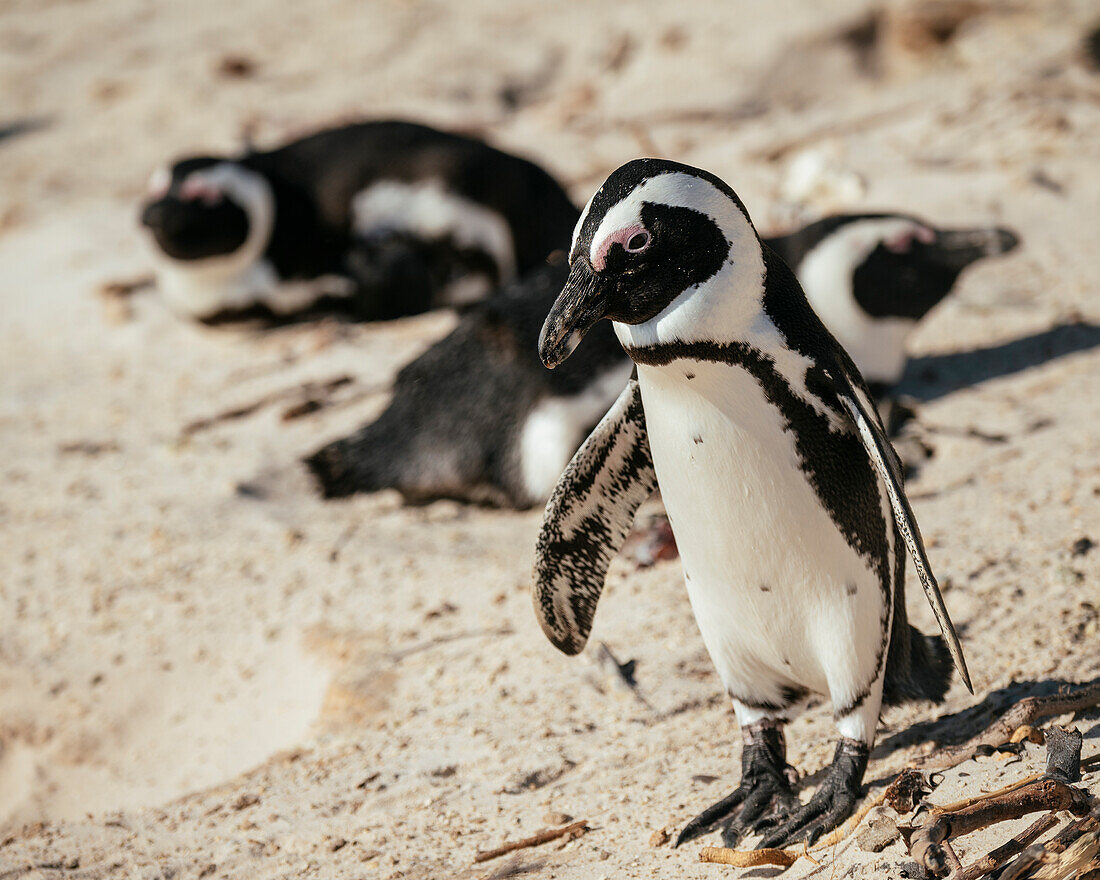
(872, 277)
(781, 487)
(375, 220)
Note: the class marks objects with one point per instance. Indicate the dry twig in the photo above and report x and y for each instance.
(574, 829)
(308, 391)
(1042, 794)
(954, 806)
(1049, 852)
(1007, 850)
(1027, 711)
(752, 858)
(125, 287)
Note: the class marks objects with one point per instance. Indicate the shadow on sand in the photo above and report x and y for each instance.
(960, 726)
(932, 377)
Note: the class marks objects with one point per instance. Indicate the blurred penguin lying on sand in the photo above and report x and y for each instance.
(373, 221)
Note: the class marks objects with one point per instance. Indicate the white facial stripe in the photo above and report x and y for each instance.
(235, 280)
(727, 307)
(160, 181)
(853, 242)
(675, 189)
(247, 188)
(580, 223)
(429, 210)
(253, 194)
(877, 345)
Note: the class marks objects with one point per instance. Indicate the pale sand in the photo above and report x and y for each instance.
(277, 688)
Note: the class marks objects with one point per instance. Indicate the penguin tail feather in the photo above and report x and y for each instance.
(925, 674)
(343, 468)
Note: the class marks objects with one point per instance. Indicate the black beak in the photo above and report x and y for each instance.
(578, 307)
(155, 215)
(960, 247)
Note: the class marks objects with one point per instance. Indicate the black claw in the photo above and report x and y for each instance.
(763, 784)
(831, 804)
(711, 816)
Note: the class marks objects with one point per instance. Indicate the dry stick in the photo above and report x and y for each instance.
(1091, 871)
(1037, 853)
(1043, 794)
(787, 857)
(953, 862)
(969, 802)
(1028, 859)
(305, 390)
(752, 858)
(120, 289)
(1076, 856)
(1007, 850)
(534, 840)
(1065, 839)
(1027, 711)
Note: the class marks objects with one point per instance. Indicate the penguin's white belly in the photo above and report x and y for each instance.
(783, 602)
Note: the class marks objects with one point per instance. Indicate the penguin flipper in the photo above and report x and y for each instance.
(864, 415)
(588, 517)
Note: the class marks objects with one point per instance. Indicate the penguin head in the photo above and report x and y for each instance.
(644, 251)
(205, 207)
(909, 272)
(891, 265)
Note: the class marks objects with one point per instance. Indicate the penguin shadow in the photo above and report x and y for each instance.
(960, 726)
(931, 377)
(17, 127)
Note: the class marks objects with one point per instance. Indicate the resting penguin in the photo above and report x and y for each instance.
(480, 400)
(780, 484)
(477, 417)
(376, 220)
(872, 277)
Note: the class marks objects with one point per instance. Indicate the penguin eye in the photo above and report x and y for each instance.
(638, 242)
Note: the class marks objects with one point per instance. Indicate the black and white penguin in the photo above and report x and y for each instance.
(480, 399)
(376, 220)
(477, 417)
(872, 277)
(780, 484)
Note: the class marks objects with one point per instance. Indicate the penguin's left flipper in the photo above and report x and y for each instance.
(587, 519)
(861, 410)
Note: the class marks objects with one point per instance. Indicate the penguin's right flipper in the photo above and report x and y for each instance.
(862, 412)
(588, 517)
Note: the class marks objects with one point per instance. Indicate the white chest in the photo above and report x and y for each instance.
(775, 586)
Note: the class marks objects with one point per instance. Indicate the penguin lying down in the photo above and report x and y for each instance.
(477, 417)
(373, 220)
(781, 487)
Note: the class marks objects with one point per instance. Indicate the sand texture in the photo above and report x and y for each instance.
(195, 682)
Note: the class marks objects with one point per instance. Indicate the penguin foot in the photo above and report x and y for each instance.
(831, 804)
(766, 781)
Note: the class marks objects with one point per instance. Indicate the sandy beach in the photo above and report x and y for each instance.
(197, 681)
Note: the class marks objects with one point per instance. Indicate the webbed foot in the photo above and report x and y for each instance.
(833, 802)
(766, 780)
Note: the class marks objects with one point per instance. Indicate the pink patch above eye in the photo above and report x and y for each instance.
(620, 237)
(200, 190)
(903, 241)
